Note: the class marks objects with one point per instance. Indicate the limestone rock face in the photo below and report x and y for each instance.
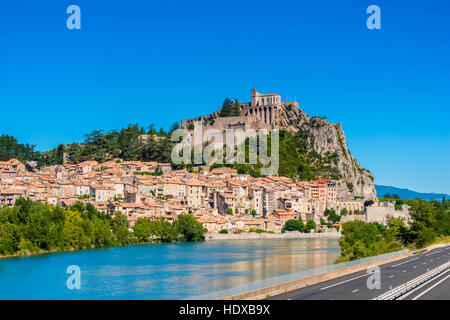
(325, 138)
(328, 138)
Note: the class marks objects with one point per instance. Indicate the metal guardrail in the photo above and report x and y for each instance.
(410, 285)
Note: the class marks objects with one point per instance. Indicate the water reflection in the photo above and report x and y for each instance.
(167, 271)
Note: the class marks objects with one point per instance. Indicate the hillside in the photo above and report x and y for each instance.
(310, 147)
(327, 144)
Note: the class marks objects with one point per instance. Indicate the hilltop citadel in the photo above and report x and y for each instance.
(265, 111)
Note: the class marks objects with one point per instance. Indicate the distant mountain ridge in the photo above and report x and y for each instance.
(408, 194)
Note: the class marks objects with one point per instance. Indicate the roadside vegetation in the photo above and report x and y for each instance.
(430, 224)
(31, 227)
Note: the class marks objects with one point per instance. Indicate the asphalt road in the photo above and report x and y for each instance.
(354, 286)
(435, 289)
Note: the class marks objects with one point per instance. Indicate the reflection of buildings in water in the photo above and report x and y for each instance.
(267, 261)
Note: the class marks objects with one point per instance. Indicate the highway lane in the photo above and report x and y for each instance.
(354, 286)
(435, 289)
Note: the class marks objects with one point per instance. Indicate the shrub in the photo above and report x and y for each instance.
(293, 225)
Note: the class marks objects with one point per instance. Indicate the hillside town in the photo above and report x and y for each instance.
(221, 199)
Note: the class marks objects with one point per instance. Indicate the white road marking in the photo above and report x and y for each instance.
(336, 284)
(391, 276)
(355, 290)
(399, 264)
(415, 267)
(432, 253)
(424, 263)
(417, 297)
(404, 270)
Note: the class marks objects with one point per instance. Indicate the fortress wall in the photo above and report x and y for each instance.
(380, 214)
(260, 115)
(226, 121)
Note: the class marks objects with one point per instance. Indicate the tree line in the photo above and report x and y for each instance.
(30, 227)
(130, 143)
(298, 225)
(11, 148)
(298, 159)
(430, 222)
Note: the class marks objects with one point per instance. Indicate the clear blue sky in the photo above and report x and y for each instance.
(160, 61)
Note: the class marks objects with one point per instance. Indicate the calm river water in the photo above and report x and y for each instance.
(161, 271)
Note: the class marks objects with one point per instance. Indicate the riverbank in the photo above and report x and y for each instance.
(47, 252)
(161, 271)
(208, 237)
(257, 236)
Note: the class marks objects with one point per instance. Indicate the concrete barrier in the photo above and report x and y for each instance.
(436, 246)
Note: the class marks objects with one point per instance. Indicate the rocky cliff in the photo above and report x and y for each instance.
(329, 142)
(310, 147)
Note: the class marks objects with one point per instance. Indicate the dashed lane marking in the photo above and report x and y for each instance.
(432, 253)
(432, 287)
(336, 284)
(399, 264)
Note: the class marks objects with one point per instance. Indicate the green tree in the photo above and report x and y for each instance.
(189, 228)
(164, 230)
(142, 229)
(310, 225)
(332, 216)
(398, 229)
(293, 225)
(102, 232)
(119, 226)
(361, 239)
(230, 108)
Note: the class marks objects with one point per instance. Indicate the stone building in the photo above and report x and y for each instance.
(262, 112)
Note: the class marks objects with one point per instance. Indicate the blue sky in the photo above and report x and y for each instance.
(160, 61)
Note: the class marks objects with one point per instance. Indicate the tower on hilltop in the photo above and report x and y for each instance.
(259, 99)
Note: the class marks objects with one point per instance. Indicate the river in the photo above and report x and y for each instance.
(161, 271)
